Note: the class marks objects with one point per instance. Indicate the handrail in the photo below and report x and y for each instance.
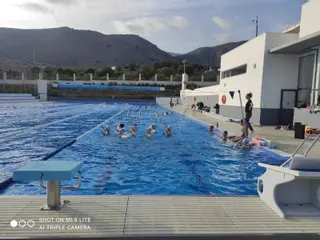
(308, 150)
(300, 146)
(314, 142)
(74, 187)
(68, 187)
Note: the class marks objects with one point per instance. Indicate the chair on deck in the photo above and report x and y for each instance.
(53, 172)
(292, 189)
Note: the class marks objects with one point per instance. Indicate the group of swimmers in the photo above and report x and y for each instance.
(106, 131)
(164, 114)
(240, 141)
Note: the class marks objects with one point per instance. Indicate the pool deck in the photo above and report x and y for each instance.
(132, 216)
(283, 139)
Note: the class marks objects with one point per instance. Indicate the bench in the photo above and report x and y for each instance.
(53, 172)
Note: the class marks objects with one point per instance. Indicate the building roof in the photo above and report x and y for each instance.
(292, 29)
(299, 45)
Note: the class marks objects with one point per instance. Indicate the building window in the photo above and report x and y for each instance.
(235, 71)
(305, 81)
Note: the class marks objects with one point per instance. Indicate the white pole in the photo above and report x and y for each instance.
(241, 104)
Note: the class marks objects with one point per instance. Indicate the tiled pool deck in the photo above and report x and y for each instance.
(120, 216)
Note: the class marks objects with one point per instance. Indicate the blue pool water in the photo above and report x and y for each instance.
(191, 162)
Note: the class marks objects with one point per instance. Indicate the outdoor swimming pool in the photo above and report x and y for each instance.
(191, 162)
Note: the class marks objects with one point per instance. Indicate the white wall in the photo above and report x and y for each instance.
(250, 53)
(166, 100)
(280, 70)
(208, 95)
(310, 18)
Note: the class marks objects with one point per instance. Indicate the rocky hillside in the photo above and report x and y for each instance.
(67, 47)
(209, 56)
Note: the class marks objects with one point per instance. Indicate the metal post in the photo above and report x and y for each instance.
(53, 194)
(241, 105)
(256, 21)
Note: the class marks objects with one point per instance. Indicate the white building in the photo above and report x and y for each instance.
(282, 70)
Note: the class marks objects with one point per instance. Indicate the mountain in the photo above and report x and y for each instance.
(67, 47)
(203, 55)
(174, 54)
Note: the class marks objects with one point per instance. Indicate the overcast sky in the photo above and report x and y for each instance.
(173, 25)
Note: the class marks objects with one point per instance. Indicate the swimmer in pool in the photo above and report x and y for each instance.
(167, 132)
(120, 129)
(133, 129)
(150, 130)
(171, 113)
(224, 137)
(247, 143)
(106, 131)
(156, 114)
(166, 114)
(211, 128)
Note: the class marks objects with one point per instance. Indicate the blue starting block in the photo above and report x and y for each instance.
(53, 172)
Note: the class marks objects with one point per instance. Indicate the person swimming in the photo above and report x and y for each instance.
(211, 128)
(151, 129)
(120, 129)
(106, 131)
(224, 137)
(156, 114)
(166, 114)
(167, 132)
(244, 133)
(133, 129)
(171, 113)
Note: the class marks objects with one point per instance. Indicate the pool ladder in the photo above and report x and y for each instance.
(300, 146)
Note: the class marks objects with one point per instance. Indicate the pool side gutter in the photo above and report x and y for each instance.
(275, 151)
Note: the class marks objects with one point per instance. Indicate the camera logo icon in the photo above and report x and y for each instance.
(22, 223)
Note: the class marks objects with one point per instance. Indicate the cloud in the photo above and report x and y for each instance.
(35, 7)
(222, 38)
(222, 22)
(148, 26)
(62, 2)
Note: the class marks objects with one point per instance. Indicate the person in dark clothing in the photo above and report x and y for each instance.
(248, 111)
(217, 107)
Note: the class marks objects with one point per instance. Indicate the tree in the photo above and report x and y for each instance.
(189, 69)
(147, 73)
(90, 70)
(105, 71)
(167, 71)
(132, 67)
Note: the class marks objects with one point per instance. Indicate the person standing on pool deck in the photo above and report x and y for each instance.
(248, 111)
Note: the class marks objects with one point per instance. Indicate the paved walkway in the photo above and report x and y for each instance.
(283, 139)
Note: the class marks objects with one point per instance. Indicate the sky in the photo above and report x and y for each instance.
(177, 26)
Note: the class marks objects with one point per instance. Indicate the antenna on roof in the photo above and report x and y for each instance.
(256, 20)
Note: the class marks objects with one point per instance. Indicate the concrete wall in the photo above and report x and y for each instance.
(166, 100)
(209, 100)
(208, 95)
(310, 18)
(252, 54)
(281, 71)
(304, 116)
